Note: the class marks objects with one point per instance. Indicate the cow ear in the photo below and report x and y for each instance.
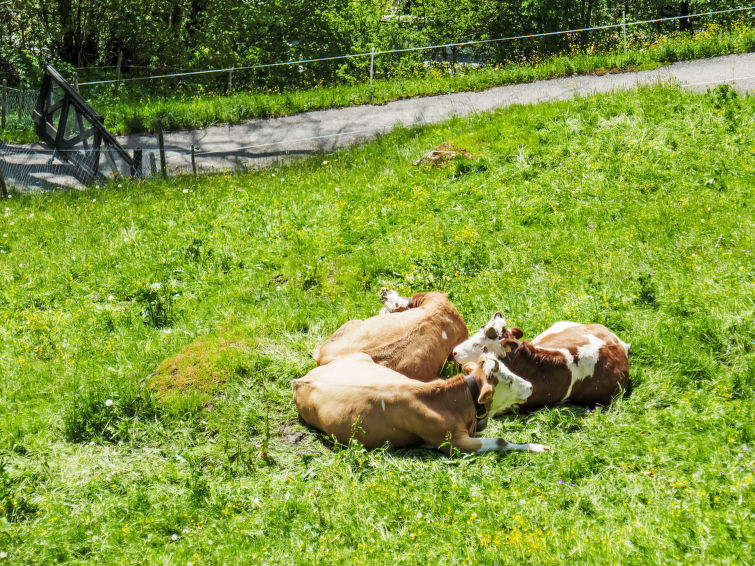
(497, 315)
(509, 345)
(517, 332)
(468, 368)
(486, 393)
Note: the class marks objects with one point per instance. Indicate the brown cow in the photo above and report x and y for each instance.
(584, 364)
(413, 336)
(353, 397)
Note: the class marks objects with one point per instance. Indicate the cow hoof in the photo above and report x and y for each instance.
(538, 447)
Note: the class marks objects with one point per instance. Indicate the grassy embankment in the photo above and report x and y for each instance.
(634, 210)
(137, 110)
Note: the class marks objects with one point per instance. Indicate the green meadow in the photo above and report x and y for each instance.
(149, 332)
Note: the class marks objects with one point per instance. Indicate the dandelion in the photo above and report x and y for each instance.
(109, 403)
(174, 537)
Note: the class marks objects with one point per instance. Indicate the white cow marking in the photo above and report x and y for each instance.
(585, 366)
(444, 335)
(555, 329)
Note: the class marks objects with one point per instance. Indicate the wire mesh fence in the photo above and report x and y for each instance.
(36, 167)
(17, 106)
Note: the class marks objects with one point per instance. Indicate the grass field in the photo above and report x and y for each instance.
(149, 334)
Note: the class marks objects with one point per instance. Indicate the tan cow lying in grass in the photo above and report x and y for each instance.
(353, 397)
(411, 336)
(584, 364)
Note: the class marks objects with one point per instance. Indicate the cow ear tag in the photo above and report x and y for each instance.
(508, 349)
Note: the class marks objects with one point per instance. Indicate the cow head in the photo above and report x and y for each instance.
(494, 338)
(500, 388)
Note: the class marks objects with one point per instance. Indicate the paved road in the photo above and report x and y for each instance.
(259, 142)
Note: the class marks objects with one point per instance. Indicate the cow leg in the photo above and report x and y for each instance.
(393, 302)
(482, 445)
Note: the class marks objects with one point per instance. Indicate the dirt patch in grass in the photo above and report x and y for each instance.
(442, 155)
(201, 367)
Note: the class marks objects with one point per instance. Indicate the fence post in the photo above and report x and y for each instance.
(193, 162)
(152, 163)
(161, 143)
(372, 65)
(76, 81)
(230, 81)
(5, 102)
(137, 170)
(3, 188)
(624, 28)
(118, 72)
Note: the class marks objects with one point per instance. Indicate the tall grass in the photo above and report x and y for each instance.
(630, 209)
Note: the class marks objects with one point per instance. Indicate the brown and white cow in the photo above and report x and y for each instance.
(413, 336)
(353, 397)
(583, 364)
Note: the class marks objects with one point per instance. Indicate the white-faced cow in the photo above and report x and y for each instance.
(353, 397)
(584, 364)
(413, 336)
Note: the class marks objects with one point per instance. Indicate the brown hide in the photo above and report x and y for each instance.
(410, 342)
(385, 405)
(547, 369)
